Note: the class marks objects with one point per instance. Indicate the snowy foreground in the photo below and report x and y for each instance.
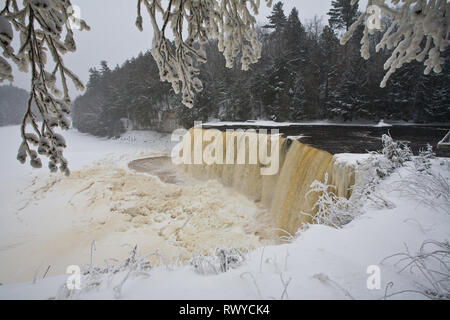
(41, 226)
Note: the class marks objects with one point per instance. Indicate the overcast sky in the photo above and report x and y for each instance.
(114, 37)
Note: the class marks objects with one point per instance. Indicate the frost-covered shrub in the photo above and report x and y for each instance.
(432, 265)
(369, 174)
(219, 261)
(337, 211)
(331, 210)
(114, 275)
(396, 152)
(380, 165)
(422, 162)
(422, 184)
(430, 189)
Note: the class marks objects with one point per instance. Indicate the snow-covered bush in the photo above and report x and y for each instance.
(219, 261)
(369, 174)
(115, 275)
(331, 210)
(419, 31)
(377, 167)
(432, 264)
(425, 185)
(422, 162)
(337, 211)
(396, 152)
(430, 189)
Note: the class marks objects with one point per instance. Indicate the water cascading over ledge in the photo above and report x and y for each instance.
(282, 194)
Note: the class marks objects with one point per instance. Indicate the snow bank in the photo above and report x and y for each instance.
(268, 123)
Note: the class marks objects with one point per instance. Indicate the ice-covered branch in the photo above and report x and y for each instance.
(40, 25)
(192, 23)
(419, 30)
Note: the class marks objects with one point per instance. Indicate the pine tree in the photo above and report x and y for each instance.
(330, 75)
(297, 98)
(296, 54)
(350, 99)
(295, 37)
(342, 14)
(429, 105)
(104, 68)
(278, 93)
(277, 19)
(437, 106)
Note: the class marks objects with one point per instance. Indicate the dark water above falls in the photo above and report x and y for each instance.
(356, 139)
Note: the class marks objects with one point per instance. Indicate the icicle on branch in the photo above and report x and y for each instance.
(192, 23)
(419, 30)
(40, 25)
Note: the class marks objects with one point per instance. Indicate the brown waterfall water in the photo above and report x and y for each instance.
(284, 194)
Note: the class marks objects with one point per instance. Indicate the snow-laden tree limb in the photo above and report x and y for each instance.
(419, 30)
(40, 25)
(192, 23)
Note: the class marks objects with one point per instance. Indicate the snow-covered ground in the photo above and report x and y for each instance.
(51, 221)
(267, 123)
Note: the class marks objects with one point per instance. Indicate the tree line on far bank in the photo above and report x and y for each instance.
(303, 74)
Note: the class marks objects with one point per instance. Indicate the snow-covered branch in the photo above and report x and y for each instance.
(192, 23)
(419, 30)
(40, 25)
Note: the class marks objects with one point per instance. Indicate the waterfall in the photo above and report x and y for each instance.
(283, 194)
